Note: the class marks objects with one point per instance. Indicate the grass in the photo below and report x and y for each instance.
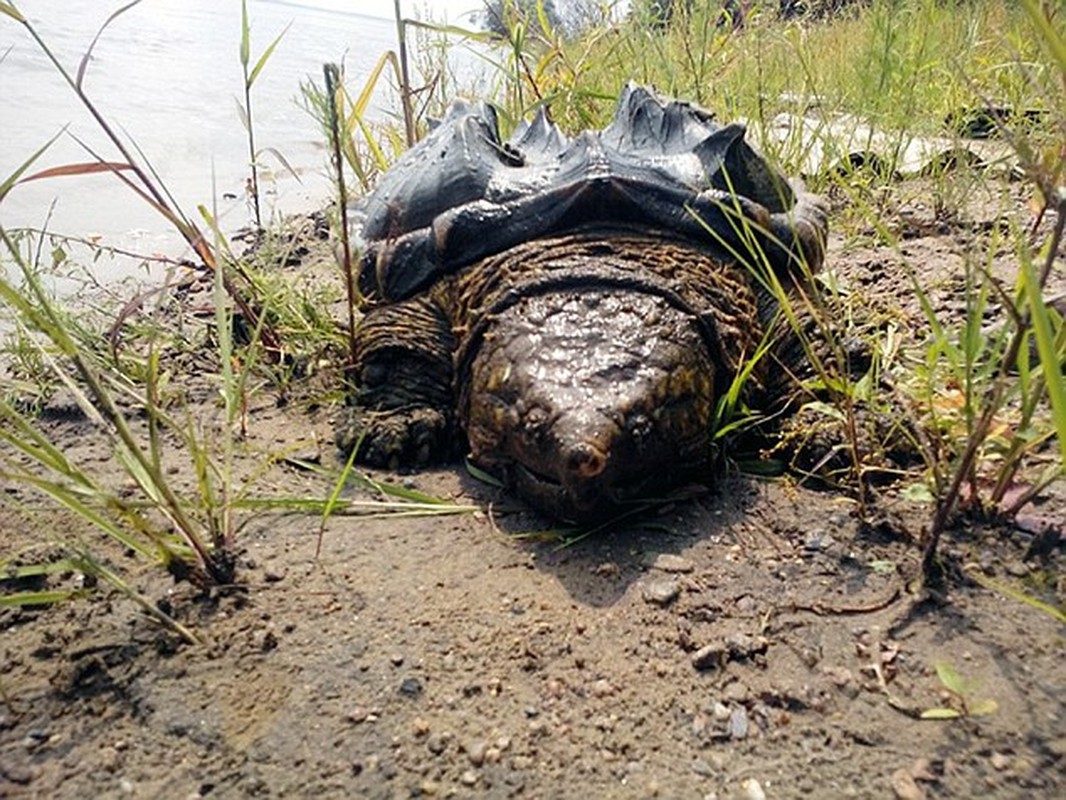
(986, 405)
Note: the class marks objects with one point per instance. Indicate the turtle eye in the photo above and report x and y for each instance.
(638, 427)
(534, 423)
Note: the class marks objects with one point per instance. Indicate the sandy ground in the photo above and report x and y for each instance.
(753, 641)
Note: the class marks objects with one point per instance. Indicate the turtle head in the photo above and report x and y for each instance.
(587, 400)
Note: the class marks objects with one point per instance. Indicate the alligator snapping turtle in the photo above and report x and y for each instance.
(575, 306)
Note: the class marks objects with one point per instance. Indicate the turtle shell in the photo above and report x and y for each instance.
(462, 194)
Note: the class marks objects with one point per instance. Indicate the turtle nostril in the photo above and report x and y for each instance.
(586, 460)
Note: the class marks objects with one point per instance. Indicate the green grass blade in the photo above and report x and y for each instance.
(480, 475)
(90, 566)
(13, 179)
(266, 56)
(1051, 37)
(245, 36)
(45, 598)
(1054, 381)
(1056, 614)
(69, 499)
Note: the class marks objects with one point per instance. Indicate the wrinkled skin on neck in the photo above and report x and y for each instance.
(584, 399)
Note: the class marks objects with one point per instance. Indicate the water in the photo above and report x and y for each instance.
(168, 73)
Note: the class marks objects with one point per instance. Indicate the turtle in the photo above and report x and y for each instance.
(570, 310)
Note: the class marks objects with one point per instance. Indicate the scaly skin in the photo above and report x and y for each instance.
(584, 400)
(586, 368)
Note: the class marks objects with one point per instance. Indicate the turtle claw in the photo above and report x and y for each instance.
(406, 437)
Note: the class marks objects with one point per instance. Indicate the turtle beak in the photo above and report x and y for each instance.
(568, 474)
(587, 465)
(585, 461)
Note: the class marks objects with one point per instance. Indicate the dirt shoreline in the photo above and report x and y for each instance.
(752, 641)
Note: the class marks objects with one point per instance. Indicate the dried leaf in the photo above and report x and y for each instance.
(85, 168)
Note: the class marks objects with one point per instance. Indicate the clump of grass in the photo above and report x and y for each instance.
(191, 537)
(33, 460)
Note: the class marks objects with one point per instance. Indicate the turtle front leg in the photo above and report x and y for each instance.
(403, 408)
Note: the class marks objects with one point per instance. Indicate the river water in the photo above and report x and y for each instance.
(167, 72)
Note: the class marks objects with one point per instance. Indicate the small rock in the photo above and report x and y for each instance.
(1057, 747)
(554, 688)
(747, 604)
(411, 687)
(396, 659)
(419, 727)
(429, 788)
(18, 773)
(738, 723)
(1000, 761)
(717, 761)
(109, 758)
(922, 770)
(468, 778)
(701, 767)
(1017, 569)
(668, 562)
(357, 715)
(700, 723)
(602, 688)
(477, 752)
(661, 591)
(818, 543)
(720, 711)
(839, 676)
(752, 789)
(709, 656)
(268, 641)
(905, 787)
(735, 692)
(742, 646)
